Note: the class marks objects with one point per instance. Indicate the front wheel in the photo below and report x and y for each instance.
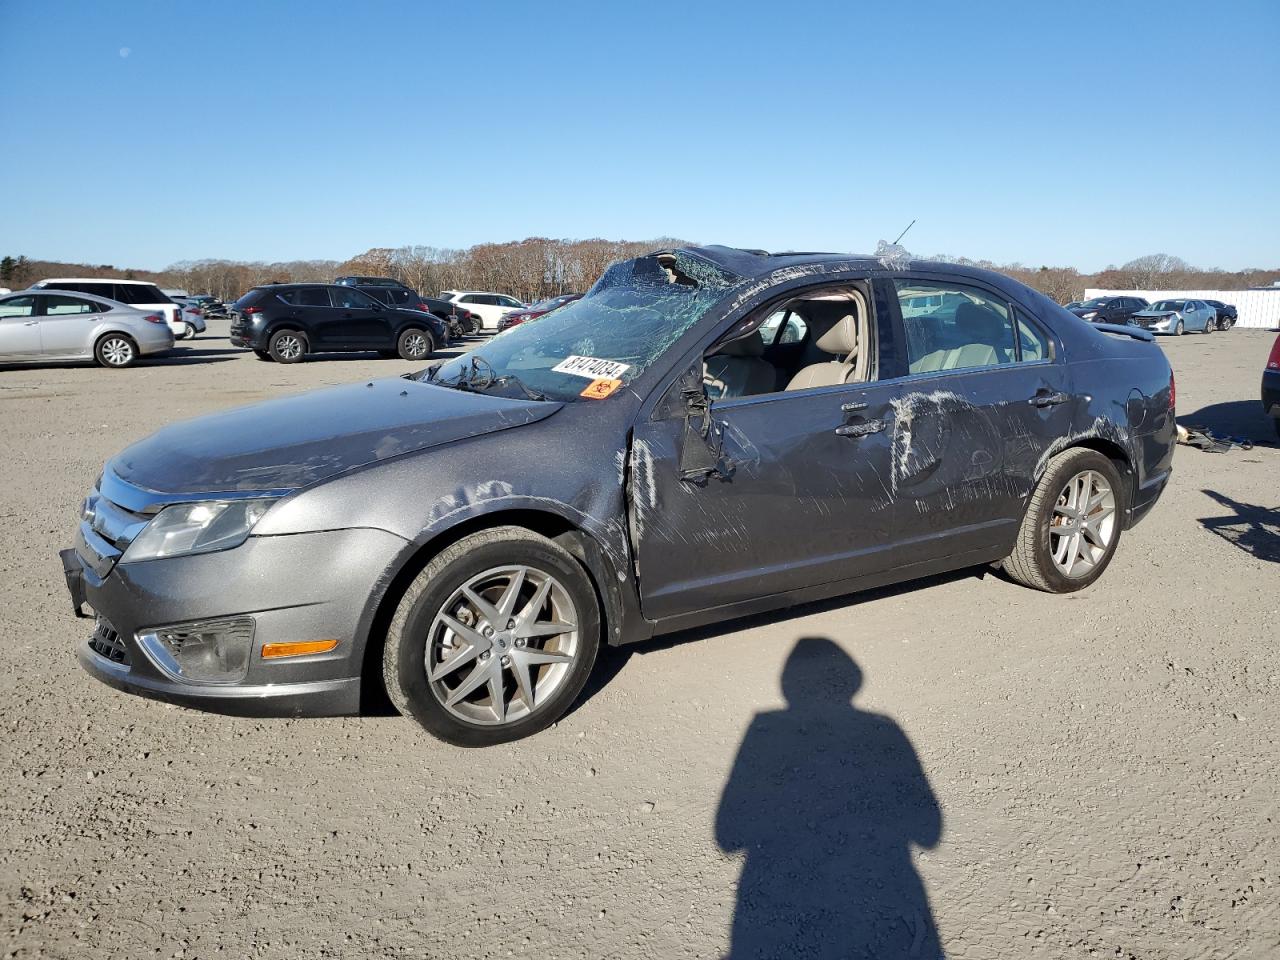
(1180, 329)
(494, 640)
(415, 344)
(1072, 524)
(116, 351)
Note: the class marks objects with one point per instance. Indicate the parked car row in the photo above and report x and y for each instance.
(1165, 316)
(535, 310)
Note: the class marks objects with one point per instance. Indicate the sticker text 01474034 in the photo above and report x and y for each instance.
(592, 368)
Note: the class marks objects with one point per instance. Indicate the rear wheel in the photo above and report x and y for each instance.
(116, 350)
(188, 332)
(494, 639)
(288, 346)
(415, 344)
(1210, 326)
(1072, 524)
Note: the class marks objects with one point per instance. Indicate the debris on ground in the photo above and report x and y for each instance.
(1204, 439)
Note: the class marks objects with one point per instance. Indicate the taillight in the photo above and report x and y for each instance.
(423, 307)
(1173, 391)
(155, 318)
(1273, 361)
(197, 311)
(250, 311)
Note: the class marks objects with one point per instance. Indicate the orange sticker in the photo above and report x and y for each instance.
(600, 388)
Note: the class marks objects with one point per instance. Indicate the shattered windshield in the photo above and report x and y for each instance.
(590, 348)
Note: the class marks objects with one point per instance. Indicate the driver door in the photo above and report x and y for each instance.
(803, 496)
(19, 327)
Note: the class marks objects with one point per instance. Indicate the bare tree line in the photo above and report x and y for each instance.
(539, 267)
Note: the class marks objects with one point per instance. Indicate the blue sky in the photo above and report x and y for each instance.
(142, 133)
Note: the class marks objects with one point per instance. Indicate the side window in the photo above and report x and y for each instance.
(469, 298)
(18, 307)
(312, 297)
(1033, 345)
(348, 298)
(508, 302)
(58, 306)
(953, 327)
(783, 326)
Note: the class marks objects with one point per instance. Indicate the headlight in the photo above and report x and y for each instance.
(196, 528)
(1087, 316)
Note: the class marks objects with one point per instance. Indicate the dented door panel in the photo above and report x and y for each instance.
(803, 496)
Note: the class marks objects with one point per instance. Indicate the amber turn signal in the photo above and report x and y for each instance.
(296, 648)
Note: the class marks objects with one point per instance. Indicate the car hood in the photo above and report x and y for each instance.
(1156, 313)
(295, 441)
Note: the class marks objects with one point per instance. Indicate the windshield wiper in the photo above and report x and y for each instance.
(512, 378)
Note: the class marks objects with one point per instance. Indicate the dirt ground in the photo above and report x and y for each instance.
(1086, 775)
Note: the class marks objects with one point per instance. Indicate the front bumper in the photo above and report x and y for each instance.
(301, 587)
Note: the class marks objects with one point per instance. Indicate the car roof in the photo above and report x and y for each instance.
(149, 283)
(71, 293)
(753, 264)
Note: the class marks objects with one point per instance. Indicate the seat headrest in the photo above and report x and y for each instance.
(842, 338)
(752, 345)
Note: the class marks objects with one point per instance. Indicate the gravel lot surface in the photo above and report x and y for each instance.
(1089, 775)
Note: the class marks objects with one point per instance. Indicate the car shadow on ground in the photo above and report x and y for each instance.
(174, 358)
(1255, 530)
(826, 803)
(1235, 418)
(611, 660)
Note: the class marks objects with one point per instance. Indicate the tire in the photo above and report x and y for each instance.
(1210, 326)
(262, 355)
(1228, 323)
(418, 636)
(1033, 562)
(1180, 329)
(188, 332)
(415, 344)
(116, 351)
(287, 346)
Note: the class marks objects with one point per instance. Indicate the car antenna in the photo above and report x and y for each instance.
(904, 232)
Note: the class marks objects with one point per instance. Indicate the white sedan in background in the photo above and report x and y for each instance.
(489, 307)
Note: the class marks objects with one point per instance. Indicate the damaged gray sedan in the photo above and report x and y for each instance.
(709, 433)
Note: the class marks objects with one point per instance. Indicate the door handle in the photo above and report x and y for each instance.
(1048, 399)
(863, 429)
(30, 323)
(854, 407)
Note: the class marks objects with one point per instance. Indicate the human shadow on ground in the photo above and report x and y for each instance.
(1255, 530)
(826, 801)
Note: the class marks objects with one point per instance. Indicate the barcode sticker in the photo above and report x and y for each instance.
(592, 368)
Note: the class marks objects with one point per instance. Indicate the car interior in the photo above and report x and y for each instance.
(822, 338)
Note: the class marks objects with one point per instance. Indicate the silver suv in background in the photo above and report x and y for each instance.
(48, 324)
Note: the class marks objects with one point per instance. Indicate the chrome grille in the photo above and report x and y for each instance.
(105, 642)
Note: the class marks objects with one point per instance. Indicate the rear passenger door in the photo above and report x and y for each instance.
(985, 395)
(66, 324)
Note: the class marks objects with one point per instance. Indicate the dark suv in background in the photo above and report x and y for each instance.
(462, 322)
(286, 321)
(1108, 309)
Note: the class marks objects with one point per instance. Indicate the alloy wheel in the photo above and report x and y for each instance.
(288, 346)
(415, 345)
(1083, 524)
(502, 645)
(117, 351)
